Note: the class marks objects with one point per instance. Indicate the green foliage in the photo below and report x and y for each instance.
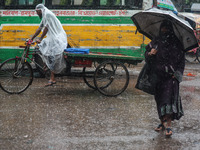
(65, 2)
(22, 2)
(190, 2)
(35, 2)
(10, 2)
(87, 2)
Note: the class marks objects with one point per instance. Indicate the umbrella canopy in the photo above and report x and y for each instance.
(192, 16)
(148, 23)
(195, 18)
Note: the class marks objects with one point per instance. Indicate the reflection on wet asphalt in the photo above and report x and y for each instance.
(72, 116)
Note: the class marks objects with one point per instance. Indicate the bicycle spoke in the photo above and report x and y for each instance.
(15, 77)
(111, 78)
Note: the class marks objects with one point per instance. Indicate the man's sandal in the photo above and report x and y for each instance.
(168, 132)
(160, 127)
(50, 83)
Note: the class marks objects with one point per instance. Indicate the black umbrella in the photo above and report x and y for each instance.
(148, 23)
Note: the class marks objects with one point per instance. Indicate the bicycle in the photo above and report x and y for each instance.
(16, 74)
(193, 55)
(109, 75)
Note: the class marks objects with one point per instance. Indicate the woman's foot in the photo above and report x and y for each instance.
(160, 127)
(50, 83)
(168, 132)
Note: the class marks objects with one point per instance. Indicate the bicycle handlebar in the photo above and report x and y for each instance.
(28, 43)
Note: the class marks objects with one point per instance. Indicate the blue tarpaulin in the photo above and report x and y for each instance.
(77, 50)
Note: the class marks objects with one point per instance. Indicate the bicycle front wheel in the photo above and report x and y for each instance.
(15, 76)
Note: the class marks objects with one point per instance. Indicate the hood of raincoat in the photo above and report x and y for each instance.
(55, 30)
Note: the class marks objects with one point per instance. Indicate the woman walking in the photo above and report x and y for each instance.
(166, 56)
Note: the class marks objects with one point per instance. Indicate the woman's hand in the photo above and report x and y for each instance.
(152, 52)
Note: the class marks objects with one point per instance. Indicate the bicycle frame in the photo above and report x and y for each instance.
(27, 53)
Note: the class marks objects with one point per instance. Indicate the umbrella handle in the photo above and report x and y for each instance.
(136, 31)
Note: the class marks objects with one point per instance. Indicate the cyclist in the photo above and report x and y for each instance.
(53, 45)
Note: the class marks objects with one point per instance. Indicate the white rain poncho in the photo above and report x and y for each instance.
(53, 45)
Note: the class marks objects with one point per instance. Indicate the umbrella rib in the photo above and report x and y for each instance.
(155, 22)
(177, 30)
(152, 24)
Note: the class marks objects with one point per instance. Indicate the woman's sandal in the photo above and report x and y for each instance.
(160, 127)
(50, 83)
(168, 132)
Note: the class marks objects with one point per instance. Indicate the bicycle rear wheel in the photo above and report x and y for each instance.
(190, 56)
(88, 75)
(198, 55)
(15, 76)
(111, 78)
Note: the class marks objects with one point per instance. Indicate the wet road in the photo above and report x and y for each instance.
(71, 116)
